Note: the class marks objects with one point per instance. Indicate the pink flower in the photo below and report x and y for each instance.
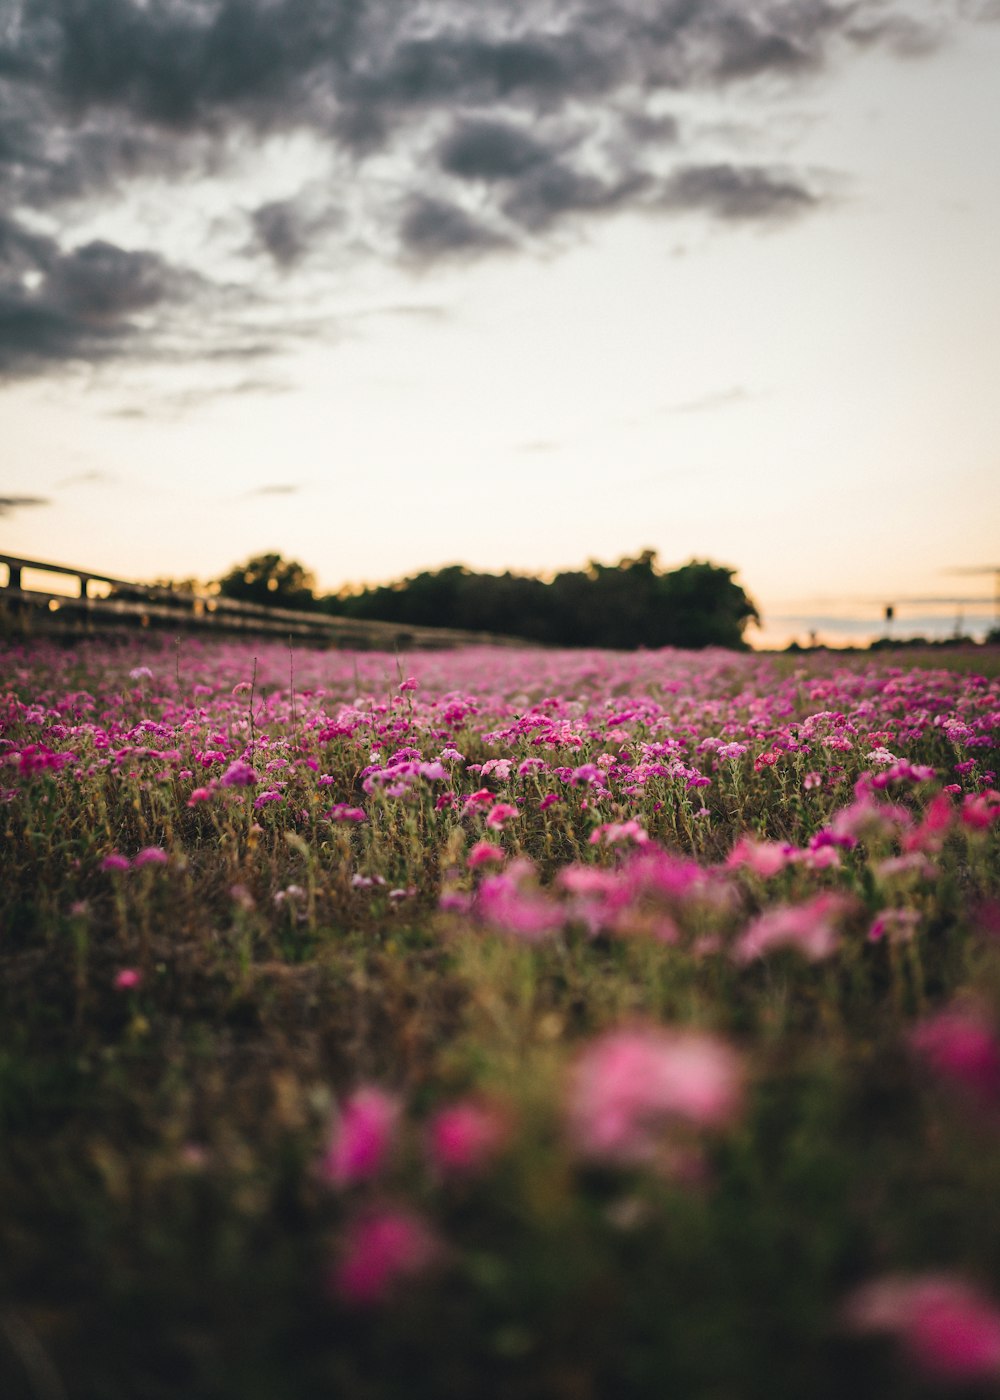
(961, 1046)
(362, 1137)
(980, 810)
(615, 833)
(344, 812)
(127, 979)
(380, 1250)
(629, 1086)
(509, 903)
(465, 1137)
(115, 861)
(948, 1329)
(810, 928)
(484, 853)
(238, 774)
(499, 813)
(411, 683)
(151, 855)
(200, 794)
(896, 925)
(764, 858)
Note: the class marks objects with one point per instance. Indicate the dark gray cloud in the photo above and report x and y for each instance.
(736, 193)
(489, 150)
(87, 303)
(8, 504)
(493, 125)
(433, 229)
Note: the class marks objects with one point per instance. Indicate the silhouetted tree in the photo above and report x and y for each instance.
(629, 604)
(271, 580)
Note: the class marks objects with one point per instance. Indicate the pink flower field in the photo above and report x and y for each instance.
(498, 1022)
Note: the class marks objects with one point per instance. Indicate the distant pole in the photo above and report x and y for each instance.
(890, 613)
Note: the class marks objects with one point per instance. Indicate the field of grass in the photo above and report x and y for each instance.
(505, 1024)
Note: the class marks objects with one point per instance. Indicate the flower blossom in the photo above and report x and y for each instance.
(465, 1137)
(809, 928)
(380, 1250)
(629, 1087)
(947, 1329)
(362, 1137)
(959, 1045)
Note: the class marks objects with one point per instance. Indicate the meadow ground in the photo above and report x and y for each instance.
(505, 1024)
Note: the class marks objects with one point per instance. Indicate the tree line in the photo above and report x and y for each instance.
(634, 603)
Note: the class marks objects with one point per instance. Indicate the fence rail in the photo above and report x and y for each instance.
(129, 604)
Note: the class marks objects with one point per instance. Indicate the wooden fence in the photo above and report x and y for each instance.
(102, 603)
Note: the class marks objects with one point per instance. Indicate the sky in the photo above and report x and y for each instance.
(387, 286)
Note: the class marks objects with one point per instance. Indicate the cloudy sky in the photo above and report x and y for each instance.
(390, 284)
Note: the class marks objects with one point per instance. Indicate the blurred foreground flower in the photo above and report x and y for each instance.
(465, 1137)
(362, 1137)
(630, 1086)
(948, 1329)
(380, 1250)
(961, 1046)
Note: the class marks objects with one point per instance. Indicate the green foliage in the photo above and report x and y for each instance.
(623, 606)
(272, 581)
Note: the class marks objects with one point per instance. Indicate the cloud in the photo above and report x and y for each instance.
(738, 193)
(8, 504)
(96, 477)
(84, 303)
(722, 398)
(545, 196)
(442, 130)
(286, 488)
(288, 228)
(432, 229)
(489, 150)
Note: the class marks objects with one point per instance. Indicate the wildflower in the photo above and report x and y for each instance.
(980, 810)
(764, 858)
(484, 853)
(499, 767)
(199, 794)
(732, 751)
(410, 683)
(629, 1086)
(239, 774)
(615, 833)
(271, 795)
(947, 1329)
(344, 812)
(961, 1046)
(499, 813)
(242, 898)
(362, 1137)
(115, 861)
(380, 1250)
(509, 903)
(465, 1137)
(150, 855)
(810, 928)
(127, 979)
(140, 673)
(894, 925)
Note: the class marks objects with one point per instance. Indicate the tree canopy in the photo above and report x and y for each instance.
(630, 604)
